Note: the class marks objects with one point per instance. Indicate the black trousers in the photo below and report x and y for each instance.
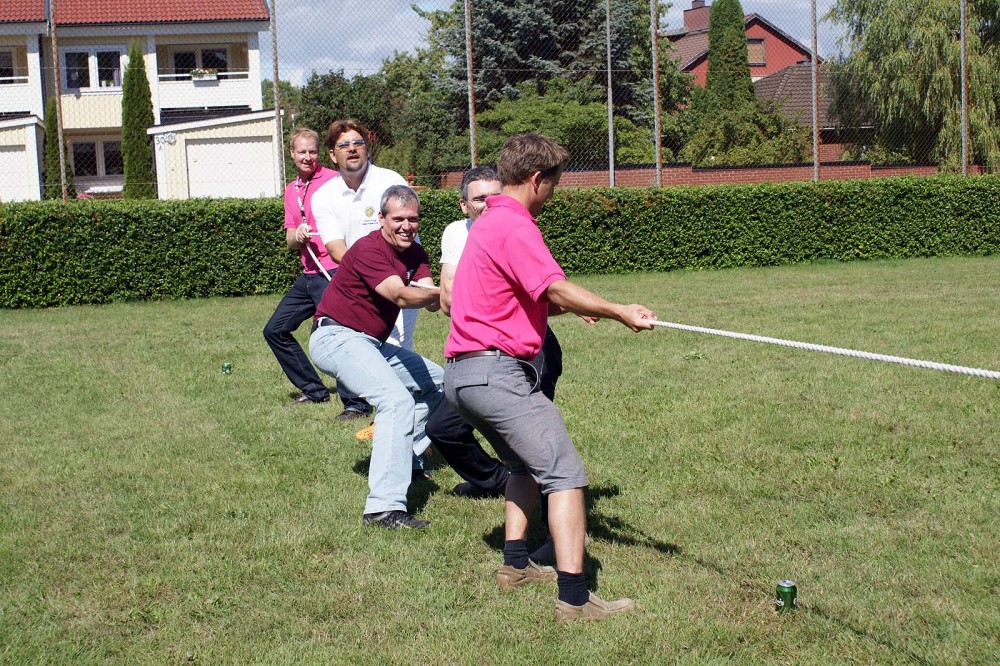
(456, 441)
(298, 305)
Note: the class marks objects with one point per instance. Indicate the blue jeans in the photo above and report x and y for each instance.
(295, 307)
(402, 386)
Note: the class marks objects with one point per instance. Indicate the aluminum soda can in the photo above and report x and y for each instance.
(227, 368)
(785, 596)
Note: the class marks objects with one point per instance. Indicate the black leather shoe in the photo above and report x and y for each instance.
(395, 520)
(472, 491)
(351, 415)
(302, 399)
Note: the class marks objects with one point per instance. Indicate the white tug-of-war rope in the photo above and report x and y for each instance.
(930, 365)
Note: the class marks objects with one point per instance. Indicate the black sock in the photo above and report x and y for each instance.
(572, 588)
(515, 553)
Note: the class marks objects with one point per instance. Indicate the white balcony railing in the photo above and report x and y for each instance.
(17, 95)
(222, 89)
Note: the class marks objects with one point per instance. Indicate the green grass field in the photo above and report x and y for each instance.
(154, 510)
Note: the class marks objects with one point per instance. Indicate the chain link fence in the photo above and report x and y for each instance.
(696, 92)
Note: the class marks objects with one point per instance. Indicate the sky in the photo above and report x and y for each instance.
(363, 33)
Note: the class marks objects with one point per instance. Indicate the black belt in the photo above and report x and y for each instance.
(324, 321)
(475, 354)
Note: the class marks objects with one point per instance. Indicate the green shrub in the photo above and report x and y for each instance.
(100, 251)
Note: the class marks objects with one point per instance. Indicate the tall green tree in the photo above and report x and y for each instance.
(332, 96)
(427, 139)
(137, 117)
(726, 124)
(903, 74)
(53, 182)
(728, 78)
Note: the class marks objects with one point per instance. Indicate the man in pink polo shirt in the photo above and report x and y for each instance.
(506, 286)
(301, 300)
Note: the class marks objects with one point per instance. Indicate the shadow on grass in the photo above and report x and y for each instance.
(599, 526)
(863, 634)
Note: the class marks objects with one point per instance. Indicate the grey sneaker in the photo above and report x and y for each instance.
(509, 577)
(395, 520)
(595, 609)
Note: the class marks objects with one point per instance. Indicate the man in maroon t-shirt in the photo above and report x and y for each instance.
(376, 278)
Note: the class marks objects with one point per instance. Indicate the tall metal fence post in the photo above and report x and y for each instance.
(964, 20)
(279, 139)
(58, 93)
(815, 94)
(655, 38)
(471, 83)
(611, 113)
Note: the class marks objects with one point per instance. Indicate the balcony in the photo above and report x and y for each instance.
(16, 95)
(218, 89)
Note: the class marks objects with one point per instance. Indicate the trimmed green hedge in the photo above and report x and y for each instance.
(99, 251)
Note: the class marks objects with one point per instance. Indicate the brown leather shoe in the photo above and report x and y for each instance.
(595, 609)
(508, 577)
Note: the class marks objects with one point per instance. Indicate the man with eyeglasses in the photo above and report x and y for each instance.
(346, 208)
(300, 302)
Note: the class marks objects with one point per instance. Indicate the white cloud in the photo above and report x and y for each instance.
(358, 35)
(353, 35)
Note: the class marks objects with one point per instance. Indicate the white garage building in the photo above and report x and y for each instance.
(234, 156)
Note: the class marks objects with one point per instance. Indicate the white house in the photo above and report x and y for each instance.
(203, 63)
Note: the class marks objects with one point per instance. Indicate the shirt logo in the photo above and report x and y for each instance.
(369, 212)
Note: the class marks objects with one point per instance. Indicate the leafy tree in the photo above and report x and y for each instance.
(137, 117)
(332, 96)
(903, 74)
(726, 123)
(560, 114)
(427, 139)
(53, 183)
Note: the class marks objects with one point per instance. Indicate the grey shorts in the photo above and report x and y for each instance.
(501, 397)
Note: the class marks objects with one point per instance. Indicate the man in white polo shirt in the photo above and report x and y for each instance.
(346, 208)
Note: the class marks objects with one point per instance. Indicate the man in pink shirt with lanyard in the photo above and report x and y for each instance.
(299, 304)
(506, 286)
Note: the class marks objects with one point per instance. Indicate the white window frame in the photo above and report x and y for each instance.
(98, 155)
(92, 51)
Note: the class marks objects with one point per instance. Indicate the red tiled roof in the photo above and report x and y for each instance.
(689, 47)
(76, 12)
(792, 86)
(22, 11)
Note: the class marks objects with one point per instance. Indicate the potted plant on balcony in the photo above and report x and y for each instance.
(209, 74)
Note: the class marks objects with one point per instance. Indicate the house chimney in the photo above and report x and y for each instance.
(696, 18)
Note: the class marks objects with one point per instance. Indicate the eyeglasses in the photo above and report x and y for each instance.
(347, 144)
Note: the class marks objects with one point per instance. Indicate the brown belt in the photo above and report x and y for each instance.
(476, 354)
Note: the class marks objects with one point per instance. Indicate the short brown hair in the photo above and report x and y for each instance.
(300, 132)
(524, 154)
(338, 127)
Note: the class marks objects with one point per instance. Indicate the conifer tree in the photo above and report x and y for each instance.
(728, 78)
(53, 183)
(137, 117)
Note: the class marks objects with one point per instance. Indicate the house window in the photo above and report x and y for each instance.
(755, 52)
(6, 67)
(187, 58)
(114, 164)
(92, 68)
(185, 61)
(215, 59)
(92, 159)
(84, 159)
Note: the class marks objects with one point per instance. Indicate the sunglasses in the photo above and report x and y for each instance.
(346, 144)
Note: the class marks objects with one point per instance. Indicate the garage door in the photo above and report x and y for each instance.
(229, 167)
(13, 174)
